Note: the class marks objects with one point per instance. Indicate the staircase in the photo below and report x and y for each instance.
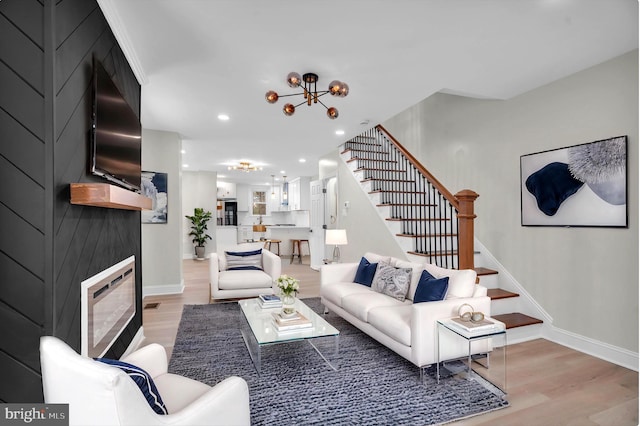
(507, 306)
(429, 223)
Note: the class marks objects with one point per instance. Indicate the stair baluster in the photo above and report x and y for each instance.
(429, 214)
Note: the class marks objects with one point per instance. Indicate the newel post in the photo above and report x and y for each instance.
(465, 198)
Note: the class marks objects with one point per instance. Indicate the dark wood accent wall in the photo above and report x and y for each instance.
(47, 245)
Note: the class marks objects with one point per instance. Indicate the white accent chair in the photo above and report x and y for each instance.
(100, 394)
(234, 284)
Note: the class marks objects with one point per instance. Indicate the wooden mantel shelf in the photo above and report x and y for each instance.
(109, 196)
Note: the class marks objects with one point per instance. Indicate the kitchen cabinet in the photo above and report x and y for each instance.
(299, 197)
(245, 233)
(242, 192)
(226, 190)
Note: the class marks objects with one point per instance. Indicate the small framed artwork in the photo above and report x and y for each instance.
(580, 185)
(154, 186)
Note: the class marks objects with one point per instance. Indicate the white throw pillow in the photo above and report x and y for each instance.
(416, 271)
(461, 282)
(391, 281)
(239, 260)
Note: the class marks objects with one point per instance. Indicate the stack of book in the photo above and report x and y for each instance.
(475, 326)
(293, 322)
(268, 301)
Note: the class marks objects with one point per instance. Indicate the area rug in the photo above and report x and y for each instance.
(373, 385)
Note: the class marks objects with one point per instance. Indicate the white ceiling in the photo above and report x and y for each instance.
(196, 59)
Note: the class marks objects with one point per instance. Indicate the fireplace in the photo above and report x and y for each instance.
(108, 304)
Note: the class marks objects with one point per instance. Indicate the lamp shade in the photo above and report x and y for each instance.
(337, 237)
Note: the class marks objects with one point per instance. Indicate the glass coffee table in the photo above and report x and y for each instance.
(259, 331)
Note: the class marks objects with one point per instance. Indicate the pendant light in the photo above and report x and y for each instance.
(285, 192)
(273, 187)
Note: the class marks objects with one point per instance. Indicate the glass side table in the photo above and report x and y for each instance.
(481, 344)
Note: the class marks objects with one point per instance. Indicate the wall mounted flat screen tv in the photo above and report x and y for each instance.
(116, 140)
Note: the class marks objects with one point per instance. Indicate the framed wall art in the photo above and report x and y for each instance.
(580, 185)
(154, 186)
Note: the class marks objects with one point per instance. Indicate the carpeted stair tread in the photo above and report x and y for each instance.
(516, 319)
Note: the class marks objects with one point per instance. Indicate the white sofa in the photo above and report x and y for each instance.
(101, 394)
(407, 328)
(230, 284)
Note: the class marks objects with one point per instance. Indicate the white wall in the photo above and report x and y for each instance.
(366, 230)
(162, 243)
(585, 278)
(199, 189)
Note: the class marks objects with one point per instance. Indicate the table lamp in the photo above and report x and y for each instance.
(336, 237)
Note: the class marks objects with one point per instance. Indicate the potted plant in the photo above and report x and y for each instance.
(198, 227)
(288, 286)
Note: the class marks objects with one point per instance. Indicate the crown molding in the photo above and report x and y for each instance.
(110, 12)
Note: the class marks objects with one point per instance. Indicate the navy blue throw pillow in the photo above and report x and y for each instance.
(144, 382)
(430, 289)
(366, 271)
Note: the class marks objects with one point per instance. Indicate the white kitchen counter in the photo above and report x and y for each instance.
(286, 227)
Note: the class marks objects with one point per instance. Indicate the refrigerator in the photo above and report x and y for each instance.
(230, 209)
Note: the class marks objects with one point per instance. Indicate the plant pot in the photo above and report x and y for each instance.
(200, 252)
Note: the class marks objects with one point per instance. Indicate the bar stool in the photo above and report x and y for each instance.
(298, 244)
(272, 241)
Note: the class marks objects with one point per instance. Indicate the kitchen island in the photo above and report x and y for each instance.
(286, 234)
(226, 236)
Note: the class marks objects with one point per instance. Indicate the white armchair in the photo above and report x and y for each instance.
(100, 394)
(243, 283)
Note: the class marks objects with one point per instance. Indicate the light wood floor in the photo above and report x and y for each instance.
(548, 384)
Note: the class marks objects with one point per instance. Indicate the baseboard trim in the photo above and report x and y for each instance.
(162, 290)
(617, 355)
(547, 330)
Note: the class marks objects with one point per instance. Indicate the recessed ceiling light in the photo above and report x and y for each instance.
(185, 165)
(183, 151)
(302, 160)
(282, 172)
(223, 117)
(339, 132)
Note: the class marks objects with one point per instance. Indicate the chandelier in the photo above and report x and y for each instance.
(245, 166)
(308, 83)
